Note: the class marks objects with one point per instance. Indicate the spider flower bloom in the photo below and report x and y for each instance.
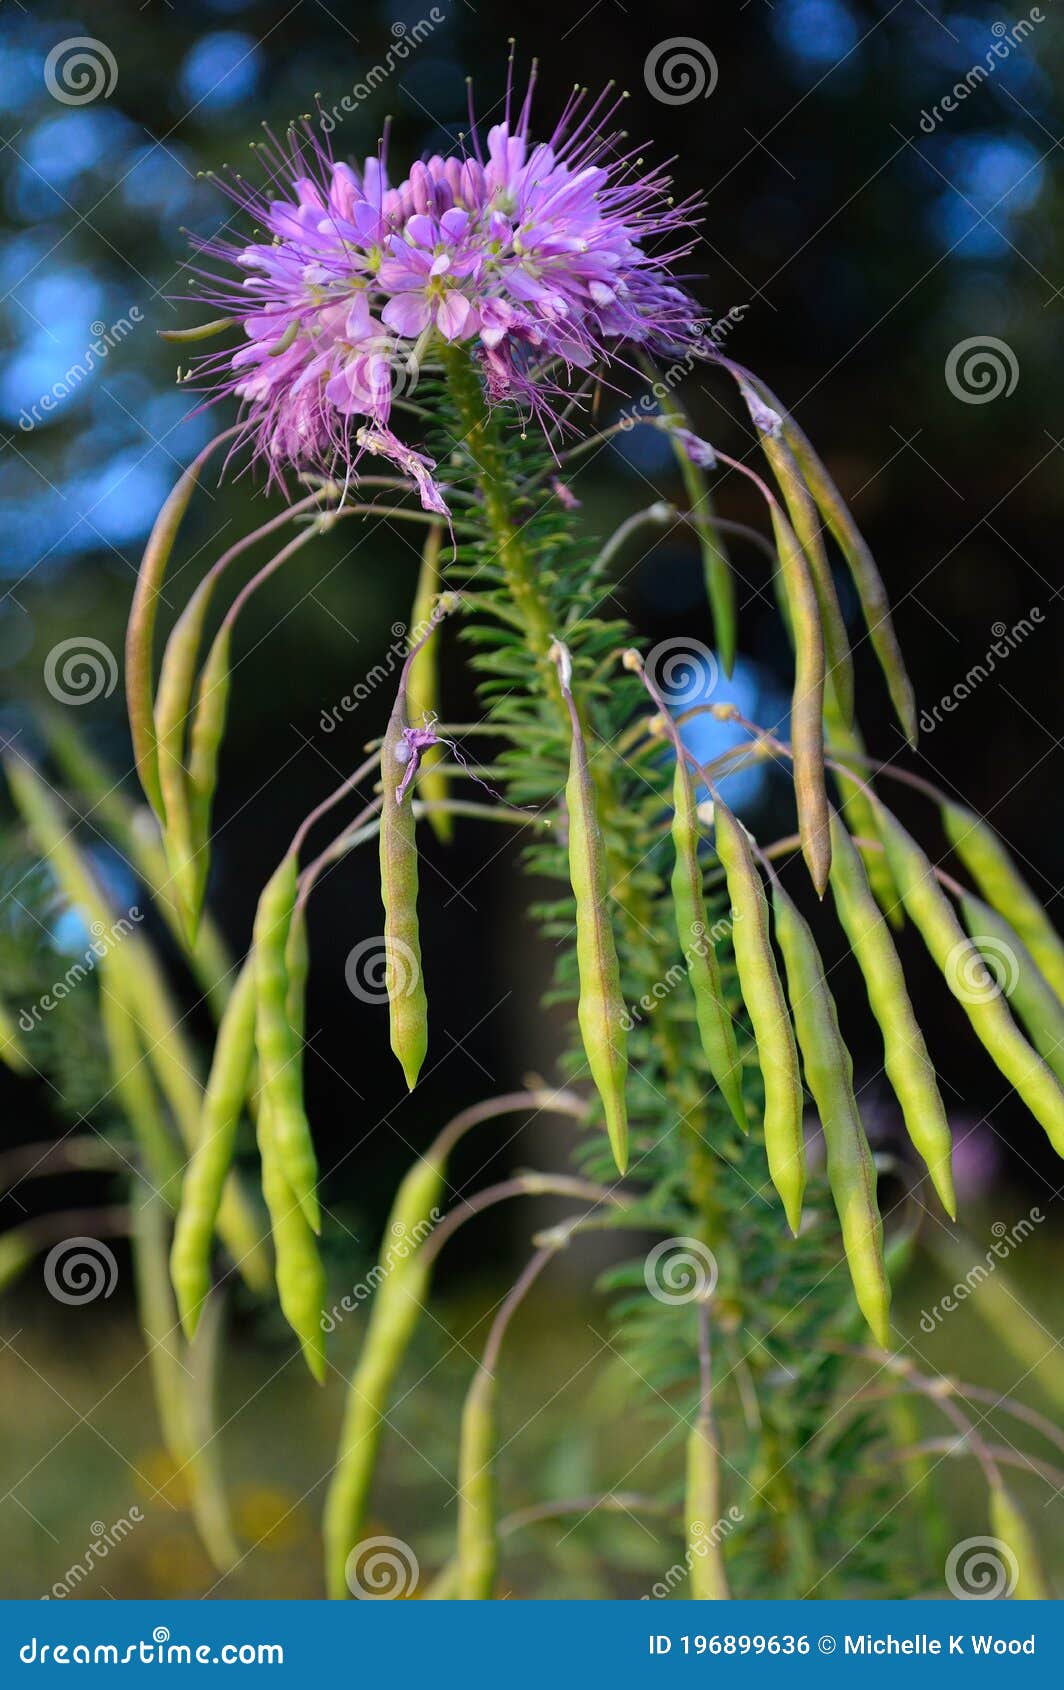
(541, 256)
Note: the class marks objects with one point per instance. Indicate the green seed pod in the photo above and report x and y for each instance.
(866, 577)
(807, 702)
(847, 747)
(905, 1058)
(829, 1076)
(930, 910)
(709, 1581)
(205, 739)
(423, 686)
(300, 1275)
(601, 1008)
(133, 1086)
(804, 520)
(172, 703)
(1027, 989)
(995, 874)
(692, 925)
(407, 1003)
(716, 565)
(280, 1048)
(766, 1005)
(397, 1303)
(201, 1193)
(141, 626)
(477, 1544)
(1008, 1524)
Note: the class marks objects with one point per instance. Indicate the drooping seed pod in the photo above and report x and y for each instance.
(905, 1058)
(958, 960)
(477, 1544)
(423, 685)
(866, 577)
(141, 626)
(1025, 986)
(408, 1008)
(398, 1301)
(279, 1046)
(766, 1005)
(601, 1007)
(709, 1581)
(847, 748)
(299, 1272)
(996, 875)
(205, 1176)
(1008, 1524)
(829, 1076)
(807, 702)
(172, 708)
(135, 1090)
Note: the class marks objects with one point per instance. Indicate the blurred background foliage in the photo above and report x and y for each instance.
(855, 250)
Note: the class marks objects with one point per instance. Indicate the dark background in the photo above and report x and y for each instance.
(861, 249)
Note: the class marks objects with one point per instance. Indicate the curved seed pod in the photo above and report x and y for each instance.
(995, 873)
(173, 694)
(300, 1275)
(847, 746)
(135, 1091)
(866, 577)
(205, 739)
(807, 702)
(477, 1546)
(905, 1058)
(692, 925)
(396, 1305)
(1008, 1524)
(1031, 996)
(709, 1581)
(141, 626)
(407, 1003)
(763, 996)
(280, 1048)
(601, 1009)
(205, 1176)
(931, 911)
(202, 331)
(829, 1076)
(423, 685)
(716, 565)
(806, 525)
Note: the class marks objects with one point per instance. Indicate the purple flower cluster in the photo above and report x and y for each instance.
(538, 254)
